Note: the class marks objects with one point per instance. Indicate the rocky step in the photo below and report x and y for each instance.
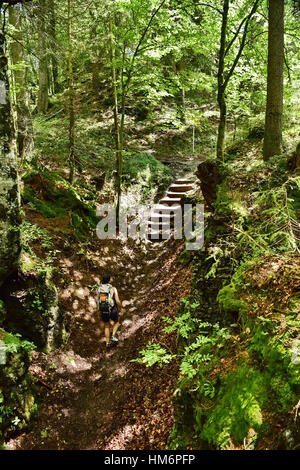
(157, 236)
(164, 209)
(170, 200)
(156, 226)
(183, 181)
(174, 195)
(181, 188)
(161, 217)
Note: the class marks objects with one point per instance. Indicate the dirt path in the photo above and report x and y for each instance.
(98, 399)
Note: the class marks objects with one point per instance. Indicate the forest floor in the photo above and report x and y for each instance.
(93, 398)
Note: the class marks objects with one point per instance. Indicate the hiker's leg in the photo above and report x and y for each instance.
(114, 321)
(115, 328)
(107, 332)
(105, 322)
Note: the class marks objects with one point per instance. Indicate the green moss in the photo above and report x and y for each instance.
(283, 398)
(228, 301)
(2, 312)
(213, 231)
(151, 176)
(53, 197)
(223, 203)
(46, 208)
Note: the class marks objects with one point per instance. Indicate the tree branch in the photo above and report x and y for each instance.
(253, 10)
(209, 6)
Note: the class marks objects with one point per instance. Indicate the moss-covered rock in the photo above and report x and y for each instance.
(17, 398)
(2, 312)
(52, 195)
(32, 307)
(10, 220)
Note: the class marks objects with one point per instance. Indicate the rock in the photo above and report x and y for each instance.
(16, 389)
(10, 219)
(2, 313)
(99, 181)
(256, 132)
(209, 175)
(293, 162)
(32, 309)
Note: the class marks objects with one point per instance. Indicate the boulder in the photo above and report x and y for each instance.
(210, 176)
(17, 400)
(32, 309)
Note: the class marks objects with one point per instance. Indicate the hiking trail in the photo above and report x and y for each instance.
(93, 398)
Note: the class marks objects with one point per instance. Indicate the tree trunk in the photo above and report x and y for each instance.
(53, 47)
(221, 88)
(222, 125)
(119, 129)
(71, 99)
(24, 120)
(274, 107)
(10, 246)
(42, 105)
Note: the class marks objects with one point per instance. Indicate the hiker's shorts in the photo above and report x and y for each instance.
(114, 316)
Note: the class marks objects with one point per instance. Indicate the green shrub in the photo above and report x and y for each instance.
(239, 404)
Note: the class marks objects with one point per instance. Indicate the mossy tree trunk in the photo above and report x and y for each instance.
(10, 246)
(24, 120)
(274, 107)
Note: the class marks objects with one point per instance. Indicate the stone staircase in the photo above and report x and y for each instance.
(162, 215)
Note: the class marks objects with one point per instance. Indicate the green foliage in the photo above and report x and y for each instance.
(240, 401)
(147, 173)
(200, 353)
(32, 233)
(184, 323)
(154, 354)
(14, 344)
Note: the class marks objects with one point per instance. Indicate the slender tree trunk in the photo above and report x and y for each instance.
(71, 98)
(119, 128)
(43, 99)
(274, 106)
(10, 246)
(223, 79)
(24, 120)
(222, 124)
(221, 88)
(54, 65)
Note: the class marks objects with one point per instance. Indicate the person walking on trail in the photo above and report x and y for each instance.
(110, 308)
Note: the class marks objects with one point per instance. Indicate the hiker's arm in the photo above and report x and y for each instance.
(118, 302)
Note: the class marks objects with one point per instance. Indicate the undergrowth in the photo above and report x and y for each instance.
(242, 374)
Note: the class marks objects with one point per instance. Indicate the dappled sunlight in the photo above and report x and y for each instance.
(77, 382)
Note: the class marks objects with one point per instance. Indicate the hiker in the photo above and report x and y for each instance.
(110, 308)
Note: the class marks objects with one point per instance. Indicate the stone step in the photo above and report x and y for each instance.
(175, 195)
(180, 188)
(164, 209)
(154, 236)
(170, 201)
(161, 217)
(183, 181)
(154, 226)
